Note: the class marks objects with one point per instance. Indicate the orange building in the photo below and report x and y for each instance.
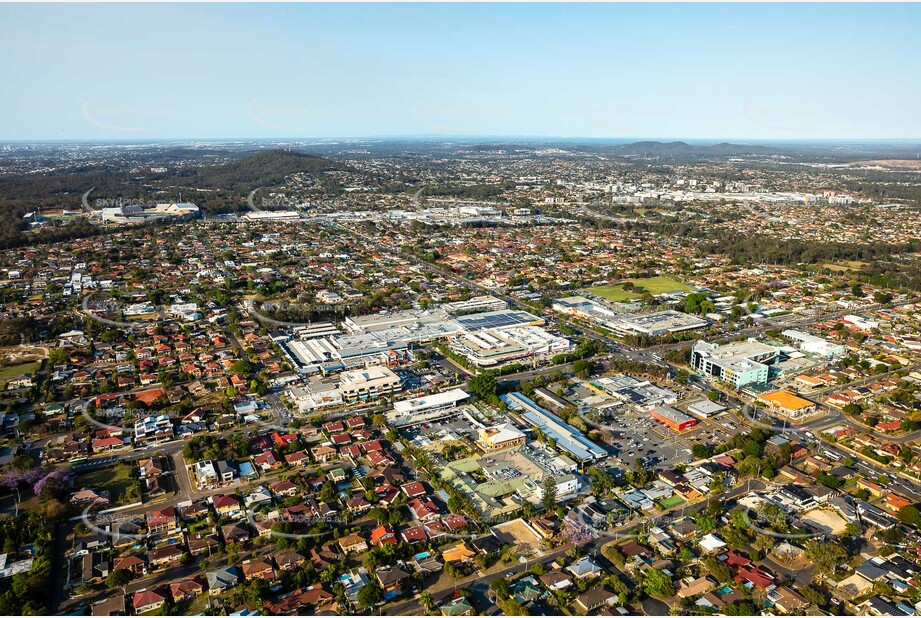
(673, 418)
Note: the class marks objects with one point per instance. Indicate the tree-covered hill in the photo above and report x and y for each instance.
(225, 186)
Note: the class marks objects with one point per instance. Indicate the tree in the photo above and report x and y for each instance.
(701, 451)
(698, 303)
(370, 594)
(826, 556)
(612, 553)
(511, 607)
(637, 476)
(814, 595)
(852, 408)
(717, 483)
(58, 356)
(740, 608)
(601, 481)
(910, 515)
(658, 584)
(396, 517)
(426, 601)
(483, 385)
(764, 543)
(119, 578)
(705, 524)
(500, 587)
(582, 368)
(328, 492)
(717, 569)
(892, 535)
(242, 366)
(882, 298)
(549, 499)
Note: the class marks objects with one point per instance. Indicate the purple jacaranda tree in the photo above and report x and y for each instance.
(58, 475)
(13, 479)
(575, 534)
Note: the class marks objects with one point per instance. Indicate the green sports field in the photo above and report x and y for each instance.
(653, 285)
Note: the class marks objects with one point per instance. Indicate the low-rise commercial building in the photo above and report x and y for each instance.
(659, 323)
(641, 393)
(437, 401)
(315, 396)
(810, 344)
(705, 408)
(500, 437)
(476, 304)
(581, 307)
(675, 419)
(788, 404)
(489, 348)
(567, 437)
(369, 383)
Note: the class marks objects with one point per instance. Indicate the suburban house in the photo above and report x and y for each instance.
(353, 543)
(147, 601)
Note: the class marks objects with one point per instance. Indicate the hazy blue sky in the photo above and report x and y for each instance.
(783, 71)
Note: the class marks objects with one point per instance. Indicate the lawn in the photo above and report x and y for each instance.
(116, 479)
(193, 607)
(14, 371)
(653, 285)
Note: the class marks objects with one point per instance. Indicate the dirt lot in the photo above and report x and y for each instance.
(827, 520)
(516, 532)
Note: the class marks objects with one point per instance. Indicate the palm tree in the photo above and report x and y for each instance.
(425, 599)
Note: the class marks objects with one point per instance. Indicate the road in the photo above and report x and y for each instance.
(802, 576)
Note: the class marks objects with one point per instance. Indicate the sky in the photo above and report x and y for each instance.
(666, 71)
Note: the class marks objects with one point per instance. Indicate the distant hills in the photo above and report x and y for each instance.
(226, 185)
(723, 149)
(233, 179)
(266, 168)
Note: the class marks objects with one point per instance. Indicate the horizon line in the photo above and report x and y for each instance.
(449, 137)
